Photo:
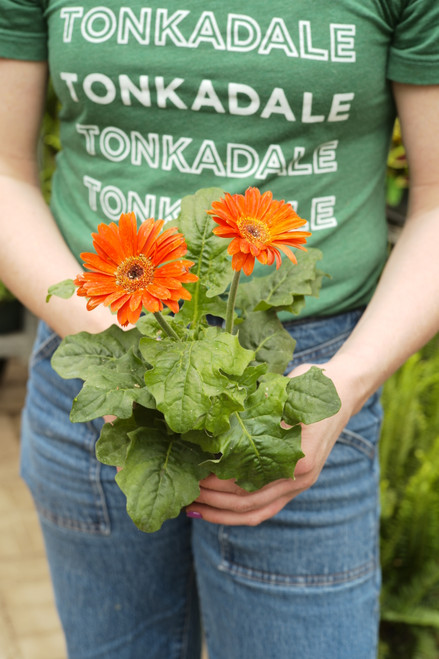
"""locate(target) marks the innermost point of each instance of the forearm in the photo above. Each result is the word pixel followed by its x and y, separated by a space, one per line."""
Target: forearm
pixel 404 312
pixel 33 256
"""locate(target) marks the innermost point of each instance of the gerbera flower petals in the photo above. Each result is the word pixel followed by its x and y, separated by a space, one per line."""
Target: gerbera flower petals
pixel 234 246
pixel 107 240
pixel 143 234
pixel 244 262
pixel 183 294
pixel 133 268
pixel 96 263
pixel 150 242
pixel 136 301
pixel 173 305
pixel 158 291
pixel 128 233
pixel 151 303
pixel 119 302
pixel 126 315
pixel 94 302
pixel 259 226
pixel 286 250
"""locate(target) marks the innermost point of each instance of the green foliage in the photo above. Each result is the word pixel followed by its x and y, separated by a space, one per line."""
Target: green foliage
pixel 410 509
pixel 161 474
pixel 311 398
pixel 188 375
pixel 64 289
pixel 49 142
pixel 397 168
pixel 192 398
pixel 283 289
pixel 5 294
pixel 112 370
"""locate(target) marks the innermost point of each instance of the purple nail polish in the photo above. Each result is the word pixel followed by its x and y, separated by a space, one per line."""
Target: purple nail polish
pixel 194 515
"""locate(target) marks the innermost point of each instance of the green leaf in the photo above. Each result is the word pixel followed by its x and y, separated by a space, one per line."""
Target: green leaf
pixel 256 449
pixel 217 418
pixel 64 289
pixel 311 398
pixel 79 355
pixel 208 443
pixel 316 283
pixel 263 332
pixel 113 443
pixel 111 392
pixel 186 375
pixel 148 325
pixel 213 265
pixel 201 305
pixel 248 380
pixel 113 370
pixel 282 289
pixel 161 475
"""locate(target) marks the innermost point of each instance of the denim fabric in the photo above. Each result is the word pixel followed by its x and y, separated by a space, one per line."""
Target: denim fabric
pixel 304 584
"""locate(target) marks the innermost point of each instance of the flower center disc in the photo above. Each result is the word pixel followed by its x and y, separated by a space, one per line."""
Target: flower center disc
pixel 135 272
pixel 253 230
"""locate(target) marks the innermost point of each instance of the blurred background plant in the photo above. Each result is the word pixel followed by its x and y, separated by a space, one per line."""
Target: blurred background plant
pixel 5 294
pixel 410 509
pixel 397 169
pixel 11 315
pixel 409 458
pixel 49 144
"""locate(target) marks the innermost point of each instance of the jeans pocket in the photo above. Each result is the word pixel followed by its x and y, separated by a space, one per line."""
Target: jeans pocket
pixel 58 457
pixel 362 432
pixel 327 536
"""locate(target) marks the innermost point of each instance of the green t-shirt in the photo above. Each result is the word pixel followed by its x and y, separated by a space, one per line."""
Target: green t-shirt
pixel 294 97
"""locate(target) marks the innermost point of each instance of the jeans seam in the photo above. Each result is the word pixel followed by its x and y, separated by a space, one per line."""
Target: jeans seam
pixel 184 635
pixel 101 525
pixel 44 349
pixel 70 524
pixel 356 441
pixel 314 580
pixel 223 542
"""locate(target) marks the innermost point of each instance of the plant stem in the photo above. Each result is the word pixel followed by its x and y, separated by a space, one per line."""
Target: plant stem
pixel 165 326
pixel 231 301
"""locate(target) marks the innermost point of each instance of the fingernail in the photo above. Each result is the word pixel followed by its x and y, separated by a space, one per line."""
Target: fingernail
pixel 194 515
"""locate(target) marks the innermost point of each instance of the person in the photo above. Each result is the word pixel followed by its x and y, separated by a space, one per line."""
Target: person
pixel 157 102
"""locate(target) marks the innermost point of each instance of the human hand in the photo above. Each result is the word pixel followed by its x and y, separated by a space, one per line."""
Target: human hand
pixel 224 502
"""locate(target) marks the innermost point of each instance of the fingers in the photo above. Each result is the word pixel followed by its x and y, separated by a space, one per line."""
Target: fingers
pixel 109 418
pixel 229 496
pixel 224 502
pixel 235 518
pixel 212 482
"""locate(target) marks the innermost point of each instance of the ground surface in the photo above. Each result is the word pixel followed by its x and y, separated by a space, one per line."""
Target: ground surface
pixel 29 625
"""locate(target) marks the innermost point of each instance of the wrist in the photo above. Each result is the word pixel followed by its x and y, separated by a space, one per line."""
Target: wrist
pixel 353 378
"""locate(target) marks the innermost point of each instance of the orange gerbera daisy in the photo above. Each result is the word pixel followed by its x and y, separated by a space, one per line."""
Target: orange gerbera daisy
pixel 260 226
pixel 135 268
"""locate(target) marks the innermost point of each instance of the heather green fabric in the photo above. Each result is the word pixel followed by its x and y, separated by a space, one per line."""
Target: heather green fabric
pixel 289 96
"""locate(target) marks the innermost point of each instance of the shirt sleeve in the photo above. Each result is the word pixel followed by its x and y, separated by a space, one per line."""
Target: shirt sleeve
pixel 23 30
pixel 414 54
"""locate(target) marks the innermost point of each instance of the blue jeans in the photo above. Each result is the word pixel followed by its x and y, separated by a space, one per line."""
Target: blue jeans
pixel 303 584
